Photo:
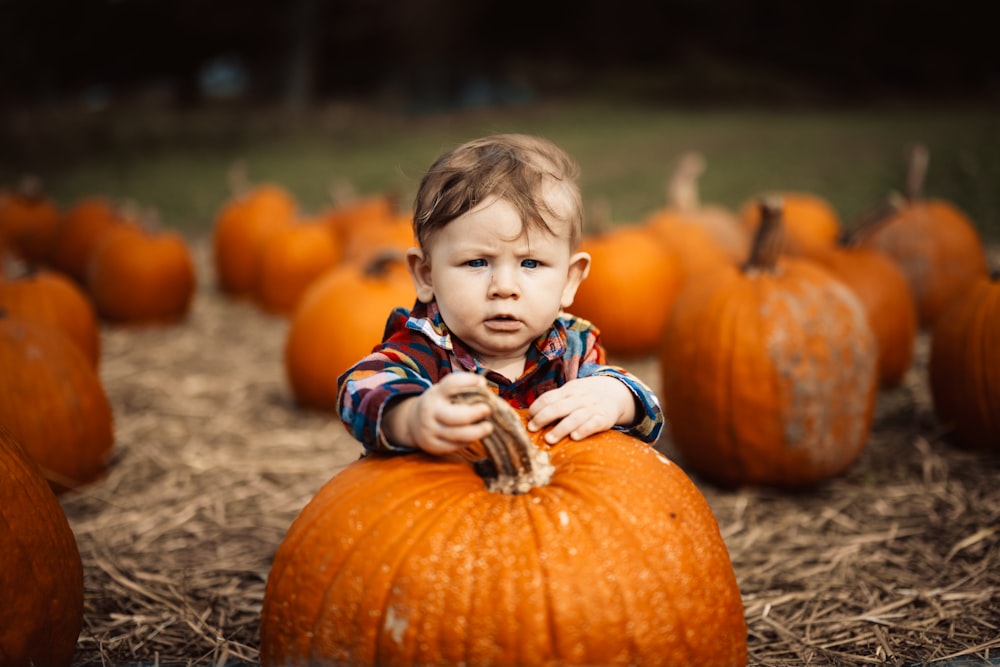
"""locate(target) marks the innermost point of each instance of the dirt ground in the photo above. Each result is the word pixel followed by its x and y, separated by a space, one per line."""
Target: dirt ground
pixel 896 562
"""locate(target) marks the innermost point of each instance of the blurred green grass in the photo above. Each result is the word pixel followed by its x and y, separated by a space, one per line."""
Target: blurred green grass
pixel 177 163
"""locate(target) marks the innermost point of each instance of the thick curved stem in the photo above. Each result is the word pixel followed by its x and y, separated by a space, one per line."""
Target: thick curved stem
pixel 769 238
pixel 517 464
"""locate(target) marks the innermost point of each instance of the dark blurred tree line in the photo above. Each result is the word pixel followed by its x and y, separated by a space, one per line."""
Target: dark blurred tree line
pixel 449 51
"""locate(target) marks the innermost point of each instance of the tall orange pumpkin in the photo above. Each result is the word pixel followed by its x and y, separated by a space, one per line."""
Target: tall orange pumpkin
pixel 633 281
pixel 242 227
pixel 596 552
pixel 41 573
pixel 54 403
pixel 29 220
pixel 933 242
pixel 769 373
pixel 141 276
pixel 964 367
pixel 51 297
pixel 338 320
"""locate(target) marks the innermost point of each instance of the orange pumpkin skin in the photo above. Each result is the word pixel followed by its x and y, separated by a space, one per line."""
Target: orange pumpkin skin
pixel 410 560
pixel 241 229
pixel 80 232
pixel 769 377
pixel 51 297
pixel 811 223
pixel 337 322
pixel 141 277
pixel 882 288
pixel 634 279
pixel 41 573
pixel 964 367
pixel 29 221
pixel 292 259
pixel 52 400
pixel 938 249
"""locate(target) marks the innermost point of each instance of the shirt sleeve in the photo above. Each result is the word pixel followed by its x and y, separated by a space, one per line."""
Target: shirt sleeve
pixel 649 415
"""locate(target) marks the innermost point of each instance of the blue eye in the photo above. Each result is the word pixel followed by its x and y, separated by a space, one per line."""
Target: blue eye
pixel 476 263
pixel 530 263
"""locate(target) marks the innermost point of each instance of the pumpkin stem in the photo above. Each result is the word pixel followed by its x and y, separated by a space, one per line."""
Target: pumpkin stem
pixel 768 240
pixel 682 189
pixel 871 219
pixel 517 464
pixel 916 172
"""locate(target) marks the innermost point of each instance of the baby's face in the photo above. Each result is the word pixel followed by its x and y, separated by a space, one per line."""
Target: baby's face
pixel 498 288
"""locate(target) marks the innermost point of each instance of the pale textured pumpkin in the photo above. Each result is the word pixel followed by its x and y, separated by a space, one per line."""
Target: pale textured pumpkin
pixel 612 557
pixel 769 373
pixel 52 400
pixel 41 574
pixel 964 368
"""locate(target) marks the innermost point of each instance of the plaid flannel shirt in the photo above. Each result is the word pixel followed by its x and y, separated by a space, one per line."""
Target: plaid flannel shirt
pixel 417 351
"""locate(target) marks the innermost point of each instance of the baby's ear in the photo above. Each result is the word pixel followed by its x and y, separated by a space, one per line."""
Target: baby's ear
pixel 579 267
pixel 419 266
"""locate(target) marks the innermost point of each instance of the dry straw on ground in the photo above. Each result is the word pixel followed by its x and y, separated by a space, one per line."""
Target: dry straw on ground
pixel 897 562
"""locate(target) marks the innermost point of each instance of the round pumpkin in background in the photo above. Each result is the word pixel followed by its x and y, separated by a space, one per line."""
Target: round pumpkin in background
pixel 140 275
pixel 41 573
pixel 809 221
pixel 52 400
pixel 935 244
pixel 338 321
pixel 964 367
pixel 769 372
pixel 292 259
pixel 633 281
pixel 592 552
pixel 242 227
pixel 79 232
pixel 29 220
pixel 51 297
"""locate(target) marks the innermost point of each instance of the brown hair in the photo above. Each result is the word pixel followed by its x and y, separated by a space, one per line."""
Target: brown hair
pixel 524 170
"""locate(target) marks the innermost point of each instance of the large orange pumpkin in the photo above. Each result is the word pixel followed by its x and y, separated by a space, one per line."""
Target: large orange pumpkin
pixel 29 220
pixel 52 400
pixel 142 276
pixel 933 242
pixel 964 368
pixel 596 552
pixel 53 298
pixel 634 279
pixel 242 227
pixel 41 573
pixel 338 320
pixel 769 373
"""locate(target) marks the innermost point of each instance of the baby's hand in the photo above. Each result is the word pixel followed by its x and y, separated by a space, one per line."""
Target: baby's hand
pixel 435 424
pixel 582 407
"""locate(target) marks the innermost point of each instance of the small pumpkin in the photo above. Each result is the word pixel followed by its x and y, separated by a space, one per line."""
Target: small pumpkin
pixel 242 227
pixel 51 297
pixel 52 400
pixel 596 552
pixel 338 320
pixel 633 281
pixel 142 275
pixel 41 573
pixel 292 259
pixel 80 231
pixel 769 372
pixel 29 220
pixel 810 222
pixel 964 366
pixel 935 243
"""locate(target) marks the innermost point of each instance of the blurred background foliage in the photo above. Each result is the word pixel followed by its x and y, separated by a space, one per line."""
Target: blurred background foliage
pixel 154 99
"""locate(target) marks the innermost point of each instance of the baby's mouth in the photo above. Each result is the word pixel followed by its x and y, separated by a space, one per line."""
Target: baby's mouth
pixel 503 323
